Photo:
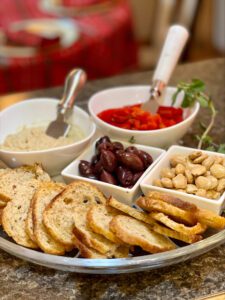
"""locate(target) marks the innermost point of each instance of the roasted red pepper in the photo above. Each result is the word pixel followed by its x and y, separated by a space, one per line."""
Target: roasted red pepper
pixel 134 118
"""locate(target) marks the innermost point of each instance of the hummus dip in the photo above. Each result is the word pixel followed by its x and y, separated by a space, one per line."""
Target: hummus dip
pixel 35 138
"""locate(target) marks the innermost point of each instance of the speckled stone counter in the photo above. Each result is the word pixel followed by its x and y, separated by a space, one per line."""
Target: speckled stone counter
pixel 195 278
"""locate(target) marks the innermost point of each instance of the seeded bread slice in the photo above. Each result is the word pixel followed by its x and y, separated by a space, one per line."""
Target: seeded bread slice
pixel 93 240
pixel 15 213
pixel 137 233
pixel 58 216
pixel 98 219
pixel 43 196
pixel 11 180
pixel 87 252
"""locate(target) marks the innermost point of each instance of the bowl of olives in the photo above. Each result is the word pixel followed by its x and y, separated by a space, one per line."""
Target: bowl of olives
pixel 116 167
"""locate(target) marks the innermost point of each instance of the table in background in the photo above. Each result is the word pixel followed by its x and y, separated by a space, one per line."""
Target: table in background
pixel 195 278
pixel 105 47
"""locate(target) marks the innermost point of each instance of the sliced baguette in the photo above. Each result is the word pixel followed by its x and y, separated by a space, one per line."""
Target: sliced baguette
pixel 98 219
pixel 29 223
pixel 180 215
pixel 139 215
pixel 11 180
pixel 87 252
pixel 43 196
pixel 137 233
pixel 15 213
pixel 187 238
pixel 93 240
pixel 58 216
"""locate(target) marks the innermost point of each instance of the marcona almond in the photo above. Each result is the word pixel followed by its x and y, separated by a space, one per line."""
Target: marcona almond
pixel 180 181
pixel 179 169
pixel 167 172
pixel 198 170
pixel 221 185
pixel 191 189
pixel 218 171
pixel 208 162
pixel 203 183
pixel 157 182
pixel 167 183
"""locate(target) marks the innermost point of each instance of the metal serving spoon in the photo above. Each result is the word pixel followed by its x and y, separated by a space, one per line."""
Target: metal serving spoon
pixel 73 84
pixel 175 41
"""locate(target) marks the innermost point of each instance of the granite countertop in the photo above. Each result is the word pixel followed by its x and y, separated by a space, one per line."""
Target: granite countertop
pixel 195 278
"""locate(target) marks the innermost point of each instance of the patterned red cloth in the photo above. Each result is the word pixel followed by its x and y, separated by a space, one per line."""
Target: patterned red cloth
pixel 106 47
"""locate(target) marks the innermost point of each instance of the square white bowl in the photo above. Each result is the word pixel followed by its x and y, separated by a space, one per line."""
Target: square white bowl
pixel 126 195
pixel 147 183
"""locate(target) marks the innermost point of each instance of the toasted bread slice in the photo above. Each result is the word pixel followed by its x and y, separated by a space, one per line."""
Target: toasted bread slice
pixel 196 229
pixel 84 233
pixel 29 223
pixel 1 211
pixel 180 215
pixel 210 219
pixel 137 233
pixel 43 196
pixel 173 201
pixel 2 204
pixel 98 219
pixel 187 238
pixel 15 213
pixel 11 181
pixel 87 252
pixel 58 216
pixel 139 215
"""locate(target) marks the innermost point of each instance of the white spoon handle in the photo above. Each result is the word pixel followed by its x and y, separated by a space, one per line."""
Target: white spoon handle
pixel 175 41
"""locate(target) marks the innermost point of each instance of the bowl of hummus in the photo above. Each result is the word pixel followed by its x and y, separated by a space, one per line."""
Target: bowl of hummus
pixel 23 139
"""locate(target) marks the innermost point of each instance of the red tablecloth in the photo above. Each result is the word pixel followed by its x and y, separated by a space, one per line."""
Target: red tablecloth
pixel 107 49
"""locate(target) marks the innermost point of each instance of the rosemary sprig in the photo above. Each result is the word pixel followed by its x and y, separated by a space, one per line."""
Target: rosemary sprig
pixel 195 91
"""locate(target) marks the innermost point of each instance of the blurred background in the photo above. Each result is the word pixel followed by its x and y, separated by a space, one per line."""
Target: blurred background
pixel 42 40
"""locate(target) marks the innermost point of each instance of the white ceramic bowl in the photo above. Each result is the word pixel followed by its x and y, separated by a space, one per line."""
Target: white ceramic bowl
pixel 128 95
pixel 126 195
pixel 42 110
pixel 147 183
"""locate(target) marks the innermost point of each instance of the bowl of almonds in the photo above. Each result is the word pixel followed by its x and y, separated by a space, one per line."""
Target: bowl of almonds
pixel 196 176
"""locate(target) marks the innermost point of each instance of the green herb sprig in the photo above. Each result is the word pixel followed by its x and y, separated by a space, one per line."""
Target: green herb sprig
pixel 195 91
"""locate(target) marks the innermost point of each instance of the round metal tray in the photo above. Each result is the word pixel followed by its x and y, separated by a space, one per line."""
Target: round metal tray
pixel 112 266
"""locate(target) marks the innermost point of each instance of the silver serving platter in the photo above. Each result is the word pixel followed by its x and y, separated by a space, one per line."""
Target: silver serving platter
pixel 112 266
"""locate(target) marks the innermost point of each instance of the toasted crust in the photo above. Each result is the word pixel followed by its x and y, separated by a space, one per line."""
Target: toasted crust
pixel 29 224
pixel 2 204
pixel 189 239
pixel 85 251
pixel 15 214
pixel 172 200
pixel 210 219
pixel 58 216
pixel 98 219
pixel 86 235
pixel 1 211
pixel 161 206
pixel 139 215
pixel 43 196
pixel 161 217
pixel 135 232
